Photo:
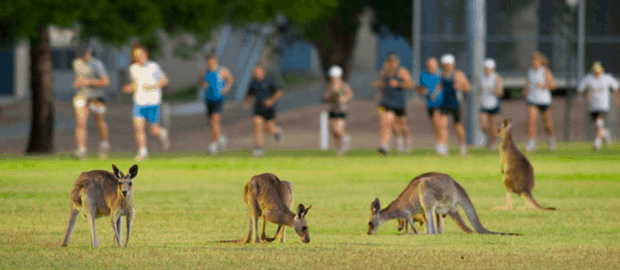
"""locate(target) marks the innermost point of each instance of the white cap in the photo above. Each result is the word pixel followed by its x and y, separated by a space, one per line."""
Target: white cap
pixel 447 59
pixel 489 63
pixel 335 71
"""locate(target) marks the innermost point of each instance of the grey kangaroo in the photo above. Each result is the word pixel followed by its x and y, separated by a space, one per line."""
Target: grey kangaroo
pixel 430 193
pixel 270 198
pixel 102 193
pixel 517 170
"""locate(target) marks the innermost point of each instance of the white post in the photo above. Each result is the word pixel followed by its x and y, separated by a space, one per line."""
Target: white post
pixel 323 131
pixel 476 30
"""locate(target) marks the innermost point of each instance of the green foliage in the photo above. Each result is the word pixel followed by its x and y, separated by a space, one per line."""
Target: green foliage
pixel 396 15
pixel 186 202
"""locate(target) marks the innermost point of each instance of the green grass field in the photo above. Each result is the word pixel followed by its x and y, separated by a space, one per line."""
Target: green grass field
pixel 186 202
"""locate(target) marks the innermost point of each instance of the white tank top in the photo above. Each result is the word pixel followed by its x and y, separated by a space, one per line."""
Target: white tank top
pixel 489 100
pixel 537 95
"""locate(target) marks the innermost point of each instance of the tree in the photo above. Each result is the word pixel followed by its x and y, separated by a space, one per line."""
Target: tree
pixel 112 21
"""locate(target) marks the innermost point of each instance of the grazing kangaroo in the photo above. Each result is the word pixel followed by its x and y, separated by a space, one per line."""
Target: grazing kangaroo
pixel 517 171
pixel 270 198
pixel 434 194
pixel 102 193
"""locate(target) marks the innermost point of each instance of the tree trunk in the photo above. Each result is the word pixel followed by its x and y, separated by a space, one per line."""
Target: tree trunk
pixel 338 48
pixel 42 124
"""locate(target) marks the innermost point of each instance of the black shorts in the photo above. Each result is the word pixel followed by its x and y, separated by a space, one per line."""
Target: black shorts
pixel 541 108
pixel 337 115
pixel 455 112
pixel 397 111
pixel 596 114
pixel 214 107
pixel 493 111
pixel 266 113
pixel 430 111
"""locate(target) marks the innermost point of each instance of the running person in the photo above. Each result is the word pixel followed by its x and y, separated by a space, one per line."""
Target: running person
pixel 537 91
pixel 91 78
pixel 393 81
pixel 452 80
pixel 596 88
pixel 492 91
pixel 219 80
pixel 266 93
pixel 337 93
pixel 430 87
pixel 147 79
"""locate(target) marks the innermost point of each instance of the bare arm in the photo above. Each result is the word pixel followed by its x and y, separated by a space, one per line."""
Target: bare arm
pixel 247 101
pixel 461 82
pixel 499 87
pixel 617 94
pixel 406 77
pixel 348 93
pixel 326 92
pixel 379 84
pixel 277 95
pixel 228 77
pixel 526 87
pixel 128 88
pixel 550 80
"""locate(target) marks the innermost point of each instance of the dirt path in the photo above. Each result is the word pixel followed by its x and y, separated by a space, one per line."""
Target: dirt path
pixel 301 126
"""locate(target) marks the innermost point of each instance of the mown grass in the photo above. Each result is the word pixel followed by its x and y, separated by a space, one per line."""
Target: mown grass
pixel 185 202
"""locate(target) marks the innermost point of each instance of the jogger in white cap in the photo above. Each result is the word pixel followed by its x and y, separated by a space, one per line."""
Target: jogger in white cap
pixel 492 91
pixel 337 93
pixel 596 87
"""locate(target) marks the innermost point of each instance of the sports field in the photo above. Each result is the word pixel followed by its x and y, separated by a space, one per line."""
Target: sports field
pixel 186 202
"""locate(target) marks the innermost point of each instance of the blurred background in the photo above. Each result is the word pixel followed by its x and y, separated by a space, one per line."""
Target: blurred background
pixel 297 41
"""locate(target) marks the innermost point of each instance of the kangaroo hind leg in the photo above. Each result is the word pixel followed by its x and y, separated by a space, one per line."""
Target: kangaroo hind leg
pixel 73 216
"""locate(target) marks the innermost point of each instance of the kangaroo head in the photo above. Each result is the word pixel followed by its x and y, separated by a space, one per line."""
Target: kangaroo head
pixel 505 127
pixel 300 224
pixel 375 218
pixel 125 182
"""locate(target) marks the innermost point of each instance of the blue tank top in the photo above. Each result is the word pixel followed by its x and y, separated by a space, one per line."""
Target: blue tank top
pixel 449 99
pixel 216 84
pixel 393 97
pixel 430 82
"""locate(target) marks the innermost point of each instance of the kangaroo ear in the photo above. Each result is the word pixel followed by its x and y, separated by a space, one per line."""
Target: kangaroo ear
pixel 300 210
pixel 117 173
pixel 306 211
pixel 375 206
pixel 133 171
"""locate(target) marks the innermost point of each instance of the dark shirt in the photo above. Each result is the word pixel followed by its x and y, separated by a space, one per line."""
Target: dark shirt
pixel 262 90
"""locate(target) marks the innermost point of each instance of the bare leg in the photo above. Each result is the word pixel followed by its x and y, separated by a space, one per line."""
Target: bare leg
pixel 442 124
pixel 532 114
pixel 138 124
pixel 333 127
pixel 81 117
pixel 215 127
pixel 73 216
pixel 493 128
pixel 271 127
pixel 102 126
pixel 258 131
pixel 387 119
pixel 460 132
pixel 548 121
pixel 435 125
pixel 484 125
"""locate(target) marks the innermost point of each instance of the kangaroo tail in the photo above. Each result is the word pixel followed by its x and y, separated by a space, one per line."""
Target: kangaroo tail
pixel 529 196
pixel 230 241
pixel 472 215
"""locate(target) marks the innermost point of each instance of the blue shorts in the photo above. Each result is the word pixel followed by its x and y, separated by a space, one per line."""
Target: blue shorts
pixel 148 112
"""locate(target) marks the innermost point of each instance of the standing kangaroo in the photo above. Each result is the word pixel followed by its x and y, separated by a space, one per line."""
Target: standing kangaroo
pixel 517 171
pixel 434 194
pixel 270 198
pixel 102 193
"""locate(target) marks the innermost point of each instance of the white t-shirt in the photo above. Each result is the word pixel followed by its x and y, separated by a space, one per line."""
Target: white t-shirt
pixel 149 74
pixel 538 95
pixel 489 100
pixel 599 90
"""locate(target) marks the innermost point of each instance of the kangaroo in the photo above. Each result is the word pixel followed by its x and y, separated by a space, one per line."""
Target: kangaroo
pixel 102 193
pixel 270 198
pixel 517 171
pixel 434 194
